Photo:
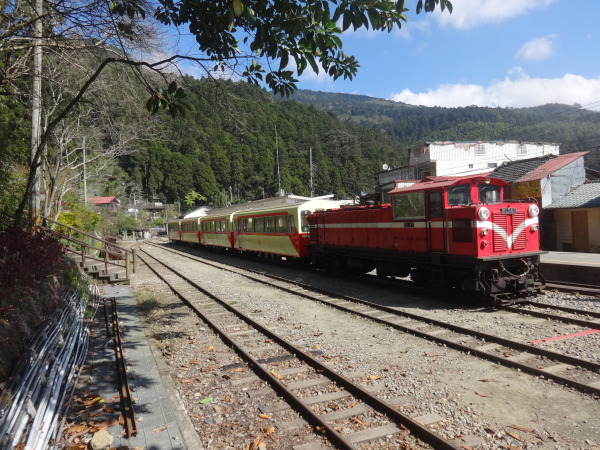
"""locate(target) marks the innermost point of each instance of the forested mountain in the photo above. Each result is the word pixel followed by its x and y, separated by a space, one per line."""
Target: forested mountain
pixel 229 142
pixel 238 142
pixel 574 127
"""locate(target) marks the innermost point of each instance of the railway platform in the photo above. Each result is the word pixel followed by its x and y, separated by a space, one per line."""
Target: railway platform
pixel 160 423
pixel 570 267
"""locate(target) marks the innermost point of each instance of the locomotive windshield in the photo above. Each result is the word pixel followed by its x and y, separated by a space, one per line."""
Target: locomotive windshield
pixel 488 193
pixel 460 194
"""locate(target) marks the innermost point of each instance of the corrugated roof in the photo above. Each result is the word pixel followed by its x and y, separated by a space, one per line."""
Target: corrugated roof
pixel 438 183
pixel 102 200
pixel 512 171
pixel 551 166
pixel 584 196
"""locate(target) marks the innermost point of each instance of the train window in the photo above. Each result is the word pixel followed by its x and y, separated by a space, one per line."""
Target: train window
pixel 280 223
pixel 488 193
pixel 259 224
pixel 460 194
pixel 462 230
pixel 247 225
pixel 303 220
pixel 270 224
pixel 435 204
pixel 409 206
pixel 291 225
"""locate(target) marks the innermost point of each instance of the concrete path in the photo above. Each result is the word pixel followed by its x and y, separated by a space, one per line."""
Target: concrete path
pixel 161 420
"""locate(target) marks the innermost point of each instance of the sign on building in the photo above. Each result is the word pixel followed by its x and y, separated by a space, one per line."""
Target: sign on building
pixel 526 189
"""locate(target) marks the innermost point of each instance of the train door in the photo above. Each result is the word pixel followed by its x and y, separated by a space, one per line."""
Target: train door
pixel 435 221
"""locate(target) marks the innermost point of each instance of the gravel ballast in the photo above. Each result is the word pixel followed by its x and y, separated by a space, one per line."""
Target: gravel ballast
pixel 475 403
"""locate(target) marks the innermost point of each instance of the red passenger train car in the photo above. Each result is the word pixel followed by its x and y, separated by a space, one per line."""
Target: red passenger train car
pixel 446 232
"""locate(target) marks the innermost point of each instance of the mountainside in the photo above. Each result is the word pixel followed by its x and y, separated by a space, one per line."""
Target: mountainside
pixel 575 128
pixel 238 141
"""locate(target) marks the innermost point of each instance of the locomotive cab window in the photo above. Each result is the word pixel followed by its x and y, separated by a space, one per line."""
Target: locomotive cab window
pixel 460 194
pixel 409 206
pixel 488 193
pixel 435 204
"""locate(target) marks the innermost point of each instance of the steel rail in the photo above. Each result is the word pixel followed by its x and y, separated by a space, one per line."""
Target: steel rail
pixel 590 365
pixel 545 315
pixel 583 312
pixel 415 427
pixel 124 390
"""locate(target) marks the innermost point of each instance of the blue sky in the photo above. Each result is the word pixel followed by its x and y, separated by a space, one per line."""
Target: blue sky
pixel 514 53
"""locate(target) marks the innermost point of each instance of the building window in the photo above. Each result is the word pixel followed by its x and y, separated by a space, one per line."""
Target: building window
pixel 470 166
pixel 522 150
pixel 479 149
pixel 492 165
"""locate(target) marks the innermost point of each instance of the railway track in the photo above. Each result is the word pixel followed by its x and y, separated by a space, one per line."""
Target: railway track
pixel 222 316
pixel 583 375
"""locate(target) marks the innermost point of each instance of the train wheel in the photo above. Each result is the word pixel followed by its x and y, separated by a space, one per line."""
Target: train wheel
pixel 419 276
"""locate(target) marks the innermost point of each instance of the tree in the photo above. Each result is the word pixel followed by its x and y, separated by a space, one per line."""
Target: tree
pixel 192 197
pixel 301 33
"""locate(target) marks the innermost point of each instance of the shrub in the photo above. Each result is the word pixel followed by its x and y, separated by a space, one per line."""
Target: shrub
pixel 32 276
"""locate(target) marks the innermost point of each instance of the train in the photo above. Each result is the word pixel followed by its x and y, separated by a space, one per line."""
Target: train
pixel 449 233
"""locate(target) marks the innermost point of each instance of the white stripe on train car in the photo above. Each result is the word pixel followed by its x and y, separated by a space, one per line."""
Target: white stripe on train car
pixel 502 232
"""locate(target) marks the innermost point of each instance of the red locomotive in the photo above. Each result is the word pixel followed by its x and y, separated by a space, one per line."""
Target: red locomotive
pixel 444 232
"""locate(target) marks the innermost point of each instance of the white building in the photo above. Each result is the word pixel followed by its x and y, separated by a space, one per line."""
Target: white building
pixel 462 158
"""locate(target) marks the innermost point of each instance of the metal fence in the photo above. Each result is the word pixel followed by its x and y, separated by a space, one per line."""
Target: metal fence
pixel 31 402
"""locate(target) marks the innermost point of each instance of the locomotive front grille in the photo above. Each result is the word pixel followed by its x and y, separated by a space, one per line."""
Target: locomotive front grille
pixel 520 240
pixel 514 231
pixel 501 221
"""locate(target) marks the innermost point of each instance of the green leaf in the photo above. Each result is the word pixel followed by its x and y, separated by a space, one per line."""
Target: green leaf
pixel 336 40
pixel 172 88
pixel 373 18
pixel 238 7
pixel 347 20
pixel 206 400
pixel 311 61
pixel 284 60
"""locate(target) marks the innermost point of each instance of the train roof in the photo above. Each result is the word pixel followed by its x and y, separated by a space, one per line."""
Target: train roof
pixel 430 183
pixel 310 205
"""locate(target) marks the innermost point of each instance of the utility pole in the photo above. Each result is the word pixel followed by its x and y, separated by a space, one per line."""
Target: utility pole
pixel 36 116
pixel 85 200
pixel 277 153
pixel 311 171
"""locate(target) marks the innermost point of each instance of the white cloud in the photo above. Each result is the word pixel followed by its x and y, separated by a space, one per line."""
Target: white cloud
pixel 516 90
pixel 471 13
pixel 537 49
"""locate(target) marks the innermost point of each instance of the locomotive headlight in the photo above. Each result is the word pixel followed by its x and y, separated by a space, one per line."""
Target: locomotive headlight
pixel 534 210
pixel 484 232
pixel 484 213
pixel 534 228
